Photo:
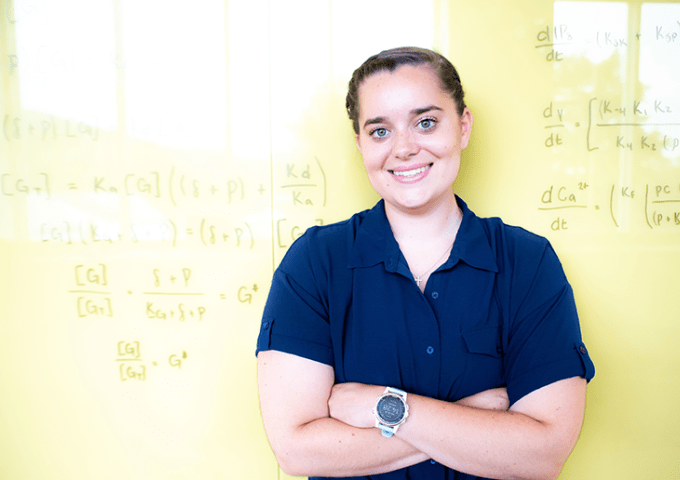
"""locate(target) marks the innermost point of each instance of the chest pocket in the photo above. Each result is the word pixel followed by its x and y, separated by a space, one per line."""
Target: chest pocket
pixel 483 360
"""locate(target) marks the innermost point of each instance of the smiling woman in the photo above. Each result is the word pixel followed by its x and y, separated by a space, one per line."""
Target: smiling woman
pixel 411 138
pixel 466 327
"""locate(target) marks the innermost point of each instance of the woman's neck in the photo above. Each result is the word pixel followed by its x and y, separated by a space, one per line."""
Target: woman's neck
pixel 427 226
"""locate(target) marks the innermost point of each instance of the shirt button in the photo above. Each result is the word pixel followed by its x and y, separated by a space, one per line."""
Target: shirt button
pixel 582 349
pixel 265 325
pixel 435 295
pixel 432 462
pixel 430 350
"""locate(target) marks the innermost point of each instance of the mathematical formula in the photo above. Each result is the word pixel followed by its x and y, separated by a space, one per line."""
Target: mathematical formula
pixel 131 364
pixel 169 297
pixel 299 186
pixel 657 205
pixel 604 126
pixel 555 40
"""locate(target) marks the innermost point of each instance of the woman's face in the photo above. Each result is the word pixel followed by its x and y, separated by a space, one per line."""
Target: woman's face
pixel 410 137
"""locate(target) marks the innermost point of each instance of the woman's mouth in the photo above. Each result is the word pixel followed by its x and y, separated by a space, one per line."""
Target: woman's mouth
pixel 411 174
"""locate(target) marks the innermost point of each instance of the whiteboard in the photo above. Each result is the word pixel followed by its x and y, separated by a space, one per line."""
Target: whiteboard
pixel 157 160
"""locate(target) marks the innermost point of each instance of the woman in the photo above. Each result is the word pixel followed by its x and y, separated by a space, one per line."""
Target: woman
pixel 417 317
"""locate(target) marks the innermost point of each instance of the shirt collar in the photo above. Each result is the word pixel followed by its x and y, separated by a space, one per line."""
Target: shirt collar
pixel 374 242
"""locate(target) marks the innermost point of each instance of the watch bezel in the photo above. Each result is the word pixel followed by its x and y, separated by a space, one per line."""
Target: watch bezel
pixel 384 421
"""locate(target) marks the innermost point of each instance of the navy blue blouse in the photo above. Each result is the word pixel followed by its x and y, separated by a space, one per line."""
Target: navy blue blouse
pixel 498 312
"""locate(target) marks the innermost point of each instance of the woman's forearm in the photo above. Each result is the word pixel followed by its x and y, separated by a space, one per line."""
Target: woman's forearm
pixel 480 442
pixel 327 447
pixel 294 395
pixel 532 443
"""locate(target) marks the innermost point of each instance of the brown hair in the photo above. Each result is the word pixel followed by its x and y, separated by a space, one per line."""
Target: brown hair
pixel 391 59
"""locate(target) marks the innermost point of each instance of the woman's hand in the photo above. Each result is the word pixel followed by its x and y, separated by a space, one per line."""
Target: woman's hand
pixel 352 403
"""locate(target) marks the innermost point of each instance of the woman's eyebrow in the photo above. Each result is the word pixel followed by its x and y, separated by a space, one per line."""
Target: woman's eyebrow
pixel 371 121
pixel 419 111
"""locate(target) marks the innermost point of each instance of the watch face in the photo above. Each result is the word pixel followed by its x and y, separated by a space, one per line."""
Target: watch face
pixel 391 409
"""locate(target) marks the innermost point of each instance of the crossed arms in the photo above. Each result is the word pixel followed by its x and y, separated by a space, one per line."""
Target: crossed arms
pixel 316 428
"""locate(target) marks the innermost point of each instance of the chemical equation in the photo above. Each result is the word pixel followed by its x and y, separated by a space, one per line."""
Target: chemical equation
pixel 553 41
pixel 657 205
pixel 208 232
pixel 605 115
pixel 303 185
pixel 152 185
pixel 169 297
pixel 131 365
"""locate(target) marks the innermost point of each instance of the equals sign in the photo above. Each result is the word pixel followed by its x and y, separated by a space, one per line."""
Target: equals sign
pixel 190 231
pixel 72 186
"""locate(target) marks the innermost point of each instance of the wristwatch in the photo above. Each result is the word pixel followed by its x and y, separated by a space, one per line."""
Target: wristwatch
pixel 390 411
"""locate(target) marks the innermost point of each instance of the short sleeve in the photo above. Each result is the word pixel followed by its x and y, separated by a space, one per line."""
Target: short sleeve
pixel 544 341
pixel 295 318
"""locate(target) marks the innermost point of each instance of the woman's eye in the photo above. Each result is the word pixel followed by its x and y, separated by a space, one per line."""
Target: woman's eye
pixel 379 132
pixel 427 123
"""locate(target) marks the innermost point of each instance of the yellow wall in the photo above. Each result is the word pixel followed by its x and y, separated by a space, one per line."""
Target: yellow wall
pixel 157 158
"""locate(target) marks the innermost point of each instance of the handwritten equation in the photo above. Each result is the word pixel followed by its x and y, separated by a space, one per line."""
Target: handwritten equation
pixel 300 187
pixel 657 206
pixel 169 297
pixel 298 184
pixel 554 40
pixel 131 364
pixel 206 231
pixel 604 116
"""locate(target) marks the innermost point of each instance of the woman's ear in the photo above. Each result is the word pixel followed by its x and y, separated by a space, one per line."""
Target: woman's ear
pixel 465 127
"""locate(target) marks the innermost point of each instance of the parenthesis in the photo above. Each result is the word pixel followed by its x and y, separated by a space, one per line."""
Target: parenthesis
pixel 600 110
pixel 202 236
pixel 323 174
pixel 174 233
pixel 172 176
pixel 611 205
pixel 240 179
pixel 647 203
pixel 252 239
pixel 590 124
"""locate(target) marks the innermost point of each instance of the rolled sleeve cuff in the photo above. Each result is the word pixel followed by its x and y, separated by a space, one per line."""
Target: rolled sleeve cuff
pixel 269 340
pixel 577 365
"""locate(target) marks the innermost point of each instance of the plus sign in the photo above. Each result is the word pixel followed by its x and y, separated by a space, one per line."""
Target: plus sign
pixel 213 189
pixel 261 189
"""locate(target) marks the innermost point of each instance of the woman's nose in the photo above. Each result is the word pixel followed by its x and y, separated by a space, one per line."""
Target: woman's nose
pixel 405 145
